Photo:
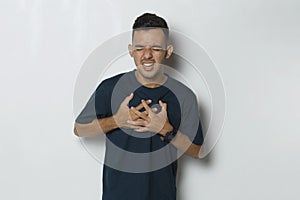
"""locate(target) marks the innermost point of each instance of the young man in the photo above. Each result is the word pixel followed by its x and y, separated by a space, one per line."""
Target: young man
pixel 147 117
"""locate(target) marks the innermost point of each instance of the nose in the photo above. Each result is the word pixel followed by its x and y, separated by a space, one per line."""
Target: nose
pixel 147 53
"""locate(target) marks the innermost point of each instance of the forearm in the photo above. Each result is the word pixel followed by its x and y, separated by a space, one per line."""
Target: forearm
pixel 96 127
pixel 184 144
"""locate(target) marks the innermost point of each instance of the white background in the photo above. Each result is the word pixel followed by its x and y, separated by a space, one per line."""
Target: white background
pixel 255 45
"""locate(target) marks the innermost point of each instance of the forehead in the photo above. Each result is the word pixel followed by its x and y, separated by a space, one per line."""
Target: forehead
pixel 149 37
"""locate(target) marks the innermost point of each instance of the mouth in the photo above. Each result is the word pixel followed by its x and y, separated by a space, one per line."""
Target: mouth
pixel 148 66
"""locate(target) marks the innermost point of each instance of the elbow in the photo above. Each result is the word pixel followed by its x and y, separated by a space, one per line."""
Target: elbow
pixel 197 153
pixel 200 152
pixel 193 154
pixel 75 131
pixel 196 156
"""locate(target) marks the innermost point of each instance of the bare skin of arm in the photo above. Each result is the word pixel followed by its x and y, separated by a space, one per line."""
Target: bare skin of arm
pixel 104 125
pixel 184 144
pixel 96 127
pixel 159 123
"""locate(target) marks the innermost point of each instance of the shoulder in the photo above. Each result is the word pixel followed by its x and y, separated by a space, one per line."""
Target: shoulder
pixel 109 83
pixel 111 80
pixel 181 89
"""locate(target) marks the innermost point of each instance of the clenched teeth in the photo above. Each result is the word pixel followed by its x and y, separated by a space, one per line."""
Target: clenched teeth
pixel 147 64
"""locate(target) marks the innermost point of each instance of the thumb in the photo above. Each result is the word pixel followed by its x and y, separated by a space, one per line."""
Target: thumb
pixel 128 98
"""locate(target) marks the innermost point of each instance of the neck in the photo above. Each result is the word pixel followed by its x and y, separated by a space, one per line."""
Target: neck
pixel 151 83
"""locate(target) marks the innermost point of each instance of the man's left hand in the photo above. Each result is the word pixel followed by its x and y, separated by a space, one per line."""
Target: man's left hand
pixel 152 121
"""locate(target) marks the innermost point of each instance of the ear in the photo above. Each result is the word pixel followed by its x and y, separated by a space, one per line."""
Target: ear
pixel 130 50
pixel 169 52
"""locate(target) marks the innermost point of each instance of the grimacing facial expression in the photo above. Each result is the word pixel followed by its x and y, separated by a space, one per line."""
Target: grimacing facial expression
pixel 148 50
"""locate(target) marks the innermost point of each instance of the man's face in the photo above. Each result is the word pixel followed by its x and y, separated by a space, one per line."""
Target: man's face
pixel 148 50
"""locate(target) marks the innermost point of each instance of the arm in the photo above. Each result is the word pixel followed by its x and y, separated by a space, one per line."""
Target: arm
pixel 160 124
pixel 104 125
pixel 96 127
pixel 182 142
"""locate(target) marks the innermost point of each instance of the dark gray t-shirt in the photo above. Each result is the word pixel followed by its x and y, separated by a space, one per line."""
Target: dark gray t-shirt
pixel 140 166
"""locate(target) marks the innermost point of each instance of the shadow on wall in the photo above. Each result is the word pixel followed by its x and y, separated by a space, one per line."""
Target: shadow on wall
pixel 206 163
pixel 175 62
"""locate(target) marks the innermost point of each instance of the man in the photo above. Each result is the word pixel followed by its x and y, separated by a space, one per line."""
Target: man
pixel 147 117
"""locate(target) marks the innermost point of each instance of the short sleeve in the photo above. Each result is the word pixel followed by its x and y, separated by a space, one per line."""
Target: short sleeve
pixel 98 106
pixel 190 121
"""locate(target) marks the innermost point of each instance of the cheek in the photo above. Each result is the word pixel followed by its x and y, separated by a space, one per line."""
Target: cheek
pixel 159 58
pixel 137 61
pixel 136 58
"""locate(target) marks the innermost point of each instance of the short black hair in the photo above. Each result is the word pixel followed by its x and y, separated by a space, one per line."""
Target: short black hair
pixel 150 20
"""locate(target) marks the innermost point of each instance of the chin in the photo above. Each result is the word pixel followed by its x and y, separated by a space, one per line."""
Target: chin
pixel 150 75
